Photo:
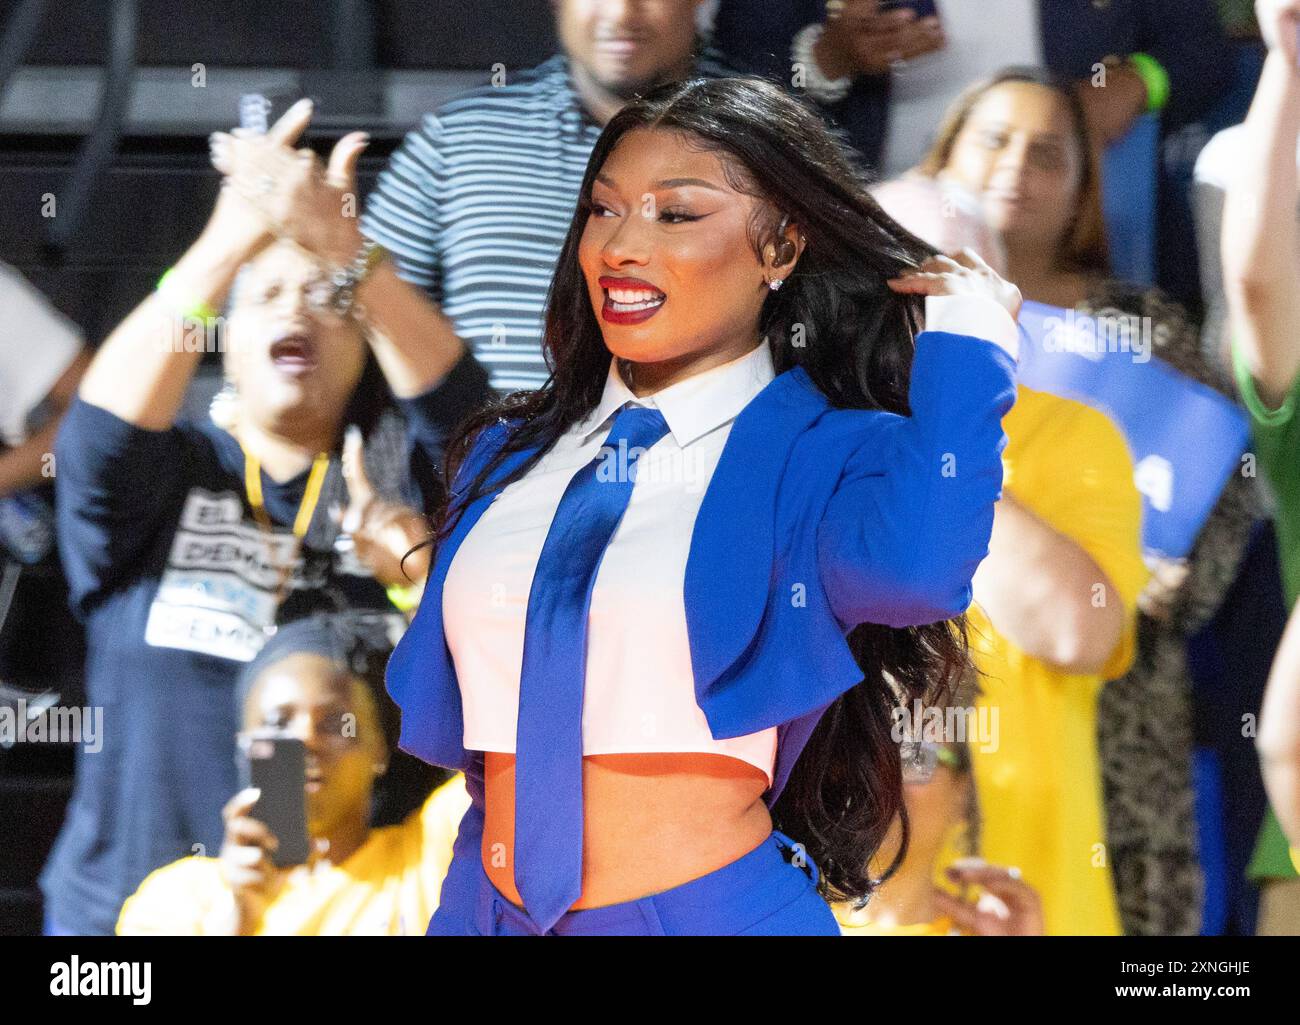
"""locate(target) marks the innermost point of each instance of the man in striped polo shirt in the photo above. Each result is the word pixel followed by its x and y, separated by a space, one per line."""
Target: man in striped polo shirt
pixel 475 204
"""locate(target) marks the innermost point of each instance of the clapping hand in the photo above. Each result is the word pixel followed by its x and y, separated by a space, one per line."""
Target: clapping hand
pixel 294 195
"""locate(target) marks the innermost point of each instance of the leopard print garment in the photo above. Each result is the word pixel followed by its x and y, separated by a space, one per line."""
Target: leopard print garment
pixel 1144 718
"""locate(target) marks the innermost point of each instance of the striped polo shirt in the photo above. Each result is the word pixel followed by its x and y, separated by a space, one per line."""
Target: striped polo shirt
pixel 476 202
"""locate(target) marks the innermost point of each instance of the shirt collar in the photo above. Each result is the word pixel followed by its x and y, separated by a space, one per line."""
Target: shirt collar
pixel 692 407
pixel 559 72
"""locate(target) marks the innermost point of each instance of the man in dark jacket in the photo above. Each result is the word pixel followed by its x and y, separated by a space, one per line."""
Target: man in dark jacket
pixel 865 60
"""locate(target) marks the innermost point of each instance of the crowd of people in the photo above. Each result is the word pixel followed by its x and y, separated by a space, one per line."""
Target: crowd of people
pixel 784 246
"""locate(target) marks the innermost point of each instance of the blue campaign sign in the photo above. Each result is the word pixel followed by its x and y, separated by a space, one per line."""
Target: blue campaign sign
pixel 1185 437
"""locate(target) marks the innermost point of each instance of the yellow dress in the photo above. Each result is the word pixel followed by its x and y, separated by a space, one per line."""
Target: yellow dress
pixel 1040 790
pixel 941 926
pixel 388 887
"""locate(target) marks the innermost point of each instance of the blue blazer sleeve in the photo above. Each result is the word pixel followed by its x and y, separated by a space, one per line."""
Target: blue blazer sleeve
pixel 911 516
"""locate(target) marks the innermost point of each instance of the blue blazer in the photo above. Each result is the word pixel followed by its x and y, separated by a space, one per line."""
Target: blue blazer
pixel 816 519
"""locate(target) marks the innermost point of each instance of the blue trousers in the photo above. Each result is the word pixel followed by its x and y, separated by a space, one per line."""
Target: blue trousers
pixel 758 894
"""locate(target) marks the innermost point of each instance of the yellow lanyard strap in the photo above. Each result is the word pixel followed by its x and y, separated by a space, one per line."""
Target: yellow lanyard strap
pixel 310 494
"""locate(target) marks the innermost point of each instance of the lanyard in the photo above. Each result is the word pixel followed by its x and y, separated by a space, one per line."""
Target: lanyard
pixel 310 494
pixel 306 508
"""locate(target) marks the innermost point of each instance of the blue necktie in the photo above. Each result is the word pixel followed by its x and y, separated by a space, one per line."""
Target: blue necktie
pixel 548 751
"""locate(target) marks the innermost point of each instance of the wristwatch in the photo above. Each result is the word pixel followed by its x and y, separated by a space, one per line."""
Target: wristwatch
pixel 347 279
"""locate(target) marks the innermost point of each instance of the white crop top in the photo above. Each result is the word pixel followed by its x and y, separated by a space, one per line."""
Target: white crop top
pixel 640 690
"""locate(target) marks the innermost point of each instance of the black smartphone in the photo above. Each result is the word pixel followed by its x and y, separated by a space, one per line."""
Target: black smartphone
pixel 277 766
pixel 923 8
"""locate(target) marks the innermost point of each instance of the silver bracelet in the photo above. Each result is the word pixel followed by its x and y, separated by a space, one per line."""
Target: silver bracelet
pixel 347 279
pixel 815 83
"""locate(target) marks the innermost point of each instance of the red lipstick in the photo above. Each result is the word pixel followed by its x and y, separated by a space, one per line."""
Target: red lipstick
pixel 630 300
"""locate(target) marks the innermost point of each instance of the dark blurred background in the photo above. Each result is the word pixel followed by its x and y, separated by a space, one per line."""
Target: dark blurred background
pixel 374 65
pixel 106 105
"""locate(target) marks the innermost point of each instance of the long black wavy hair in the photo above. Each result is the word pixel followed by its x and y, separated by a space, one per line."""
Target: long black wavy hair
pixel 857 345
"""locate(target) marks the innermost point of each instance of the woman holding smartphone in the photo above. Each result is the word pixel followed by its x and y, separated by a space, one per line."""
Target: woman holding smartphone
pixel 670 585
pixel 318 684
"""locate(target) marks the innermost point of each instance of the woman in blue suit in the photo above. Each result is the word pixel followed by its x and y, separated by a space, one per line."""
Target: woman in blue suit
pixel 679 591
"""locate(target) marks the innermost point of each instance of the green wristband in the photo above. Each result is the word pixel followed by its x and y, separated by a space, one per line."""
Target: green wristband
pixel 405 599
pixel 1154 77
pixel 1258 409
pixel 185 304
